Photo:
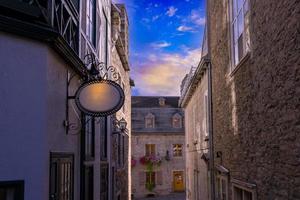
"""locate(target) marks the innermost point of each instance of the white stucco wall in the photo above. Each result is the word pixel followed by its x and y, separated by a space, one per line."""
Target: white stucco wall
pixel 32 111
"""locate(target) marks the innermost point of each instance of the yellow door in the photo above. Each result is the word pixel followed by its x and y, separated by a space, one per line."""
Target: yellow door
pixel 178 181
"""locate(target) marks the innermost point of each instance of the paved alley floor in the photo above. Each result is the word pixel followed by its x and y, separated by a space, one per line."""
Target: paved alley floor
pixel 174 196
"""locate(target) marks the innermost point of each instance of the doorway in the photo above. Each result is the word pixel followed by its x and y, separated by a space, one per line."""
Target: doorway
pixel 178 181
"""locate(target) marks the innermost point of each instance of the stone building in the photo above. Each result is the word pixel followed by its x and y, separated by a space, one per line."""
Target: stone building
pixel 121 142
pixel 194 101
pixel 49 150
pixel 255 62
pixel 157 133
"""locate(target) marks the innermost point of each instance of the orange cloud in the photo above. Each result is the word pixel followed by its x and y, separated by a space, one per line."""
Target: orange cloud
pixel 163 75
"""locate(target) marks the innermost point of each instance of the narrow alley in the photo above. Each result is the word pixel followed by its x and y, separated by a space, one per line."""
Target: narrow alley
pixel 173 196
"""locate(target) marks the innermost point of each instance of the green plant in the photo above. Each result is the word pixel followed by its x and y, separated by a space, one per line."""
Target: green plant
pixel 150 186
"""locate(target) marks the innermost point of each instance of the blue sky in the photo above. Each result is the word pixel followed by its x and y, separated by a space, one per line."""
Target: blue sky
pixel 165 41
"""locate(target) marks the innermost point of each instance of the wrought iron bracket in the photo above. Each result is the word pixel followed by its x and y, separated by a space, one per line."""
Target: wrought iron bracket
pixel 76 125
pixel 99 70
pixel 95 71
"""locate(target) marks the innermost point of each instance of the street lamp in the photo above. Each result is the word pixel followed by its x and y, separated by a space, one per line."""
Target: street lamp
pixel 122 124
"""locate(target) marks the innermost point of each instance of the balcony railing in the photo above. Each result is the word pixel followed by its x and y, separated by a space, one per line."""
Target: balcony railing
pixel 60 16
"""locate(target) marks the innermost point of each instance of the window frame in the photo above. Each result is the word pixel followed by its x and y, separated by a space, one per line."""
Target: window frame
pixel 152 150
pixel 179 117
pixel 103 138
pixel 176 155
pixel 206 115
pixel 59 160
pixel 151 117
pixel 89 138
pixel 91 21
pixel 245 30
pixel 17 185
pixel 151 175
pixel 221 178
pixel 104 181
pixel 244 187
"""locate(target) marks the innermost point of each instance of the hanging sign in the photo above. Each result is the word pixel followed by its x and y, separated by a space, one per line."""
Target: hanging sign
pixel 99 98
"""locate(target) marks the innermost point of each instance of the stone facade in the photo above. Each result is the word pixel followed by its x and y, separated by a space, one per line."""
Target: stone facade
pixel 119 59
pixel 194 100
pixel 256 106
pixel 163 136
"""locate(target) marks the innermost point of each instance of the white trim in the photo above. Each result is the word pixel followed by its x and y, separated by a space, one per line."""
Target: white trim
pixel 245 187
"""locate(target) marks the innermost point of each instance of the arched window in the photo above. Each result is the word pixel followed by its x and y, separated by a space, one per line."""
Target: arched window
pixel 150 120
pixel 177 121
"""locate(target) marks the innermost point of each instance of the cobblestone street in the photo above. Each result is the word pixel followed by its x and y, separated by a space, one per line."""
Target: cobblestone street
pixel 174 196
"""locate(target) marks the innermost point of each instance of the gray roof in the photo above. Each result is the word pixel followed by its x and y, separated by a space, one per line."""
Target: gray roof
pixel 152 101
pixel 142 106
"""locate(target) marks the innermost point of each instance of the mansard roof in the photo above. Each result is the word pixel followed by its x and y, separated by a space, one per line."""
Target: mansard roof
pixel 153 101
pixel 163 114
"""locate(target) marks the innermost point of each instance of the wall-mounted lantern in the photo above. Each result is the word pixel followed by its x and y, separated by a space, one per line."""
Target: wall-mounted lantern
pixel 119 126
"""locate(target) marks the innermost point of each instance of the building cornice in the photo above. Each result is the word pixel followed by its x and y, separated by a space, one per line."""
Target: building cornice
pixel 192 85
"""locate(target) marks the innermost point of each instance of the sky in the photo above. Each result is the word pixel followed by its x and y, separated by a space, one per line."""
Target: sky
pixel 165 41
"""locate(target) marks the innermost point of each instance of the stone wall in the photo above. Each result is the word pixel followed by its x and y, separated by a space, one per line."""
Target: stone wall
pixel 123 177
pixel 256 118
pixel 196 136
pixel 163 142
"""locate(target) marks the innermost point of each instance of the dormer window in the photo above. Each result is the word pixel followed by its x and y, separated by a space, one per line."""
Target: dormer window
pixel 177 121
pixel 162 101
pixel 149 121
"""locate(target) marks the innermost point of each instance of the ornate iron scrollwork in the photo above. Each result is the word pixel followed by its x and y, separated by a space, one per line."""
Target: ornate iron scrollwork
pixel 104 72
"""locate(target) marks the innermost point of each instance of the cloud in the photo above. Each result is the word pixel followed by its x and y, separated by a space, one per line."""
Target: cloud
pixel 171 11
pixel 184 28
pixel 159 45
pixel 155 17
pixel 196 18
pixel 162 74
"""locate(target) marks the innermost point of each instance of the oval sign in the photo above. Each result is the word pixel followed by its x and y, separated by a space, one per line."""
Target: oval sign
pixel 99 98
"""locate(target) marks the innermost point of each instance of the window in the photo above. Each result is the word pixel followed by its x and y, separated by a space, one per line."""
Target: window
pixel 177 150
pixel 105 38
pixel 89 183
pixel 242 194
pixel 240 30
pixel 61 176
pixel 113 180
pixel 150 179
pixel 12 190
pixel 162 101
pixel 123 107
pixel 177 121
pixel 221 188
pixel 205 121
pixel 89 138
pixel 150 149
pixel 103 138
pixel 121 150
pixel 104 182
pixel 150 121
pixel 91 21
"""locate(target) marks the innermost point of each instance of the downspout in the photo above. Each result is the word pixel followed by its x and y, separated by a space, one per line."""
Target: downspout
pixel 210 107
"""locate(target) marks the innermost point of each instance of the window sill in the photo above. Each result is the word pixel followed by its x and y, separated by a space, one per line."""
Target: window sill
pixel 238 66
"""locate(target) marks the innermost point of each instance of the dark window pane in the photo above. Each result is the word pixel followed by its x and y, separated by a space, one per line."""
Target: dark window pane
pixel 89 183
